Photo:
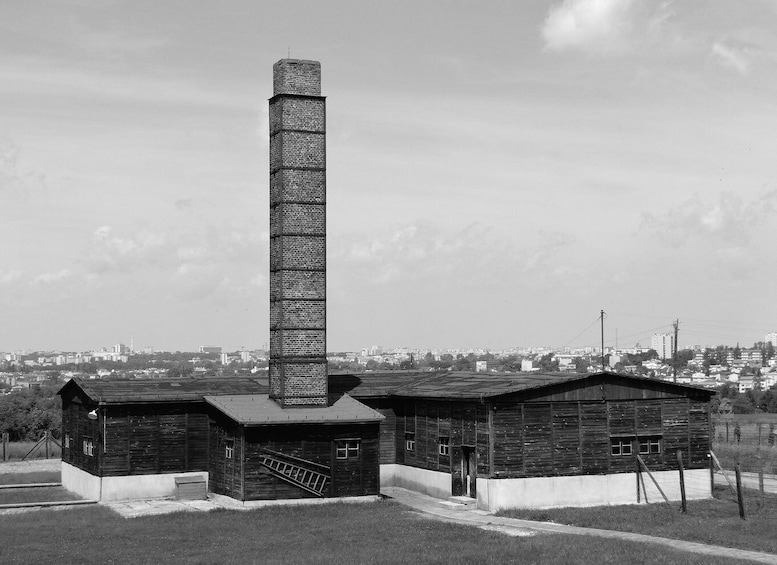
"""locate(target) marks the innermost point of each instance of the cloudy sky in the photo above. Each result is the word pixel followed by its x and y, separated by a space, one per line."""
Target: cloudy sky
pixel 498 172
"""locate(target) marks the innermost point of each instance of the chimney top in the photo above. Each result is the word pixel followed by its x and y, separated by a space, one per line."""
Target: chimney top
pixel 297 76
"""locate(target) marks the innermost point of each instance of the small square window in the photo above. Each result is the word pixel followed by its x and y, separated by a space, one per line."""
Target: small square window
pixel 445 445
pixel 229 448
pixel 620 446
pixel 347 448
pixel 648 445
pixel 410 441
pixel 88 446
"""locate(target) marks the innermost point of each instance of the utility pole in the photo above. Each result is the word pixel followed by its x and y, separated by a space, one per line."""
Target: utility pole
pixel 676 325
pixel 602 317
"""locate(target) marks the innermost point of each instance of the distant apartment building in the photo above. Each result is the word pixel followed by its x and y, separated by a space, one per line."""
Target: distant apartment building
pixel 747 357
pixel 771 338
pixel 663 344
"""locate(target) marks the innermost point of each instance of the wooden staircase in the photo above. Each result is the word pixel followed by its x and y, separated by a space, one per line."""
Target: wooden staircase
pixel 291 470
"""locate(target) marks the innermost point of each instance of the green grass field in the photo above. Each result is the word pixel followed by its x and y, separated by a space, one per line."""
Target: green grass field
pixel 377 533
pixel 714 521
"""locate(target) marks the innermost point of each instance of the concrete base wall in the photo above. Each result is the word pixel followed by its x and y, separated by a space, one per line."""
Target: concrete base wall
pixel 432 483
pixel 129 487
pixel 554 492
pixel 228 502
pixel 588 490
pixel 80 482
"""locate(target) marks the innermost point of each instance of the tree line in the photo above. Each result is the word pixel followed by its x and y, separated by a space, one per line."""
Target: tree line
pixel 27 414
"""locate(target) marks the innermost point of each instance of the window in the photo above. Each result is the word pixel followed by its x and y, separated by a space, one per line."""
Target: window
pixel 621 445
pixel 347 448
pixel 229 448
pixel 445 445
pixel 66 441
pixel 648 445
pixel 88 446
pixel 410 441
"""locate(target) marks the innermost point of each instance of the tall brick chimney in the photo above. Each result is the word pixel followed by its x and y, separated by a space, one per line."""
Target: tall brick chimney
pixel 298 370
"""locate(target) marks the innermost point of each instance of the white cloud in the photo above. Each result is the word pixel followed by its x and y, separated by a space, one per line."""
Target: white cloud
pixel 731 57
pixel 588 24
pixel 7 277
pixel 724 222
pixel 51 278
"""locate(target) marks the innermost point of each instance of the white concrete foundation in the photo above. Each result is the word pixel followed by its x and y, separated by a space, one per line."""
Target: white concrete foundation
pixel 432 483
pixel 128 487
pixel 554 492
pixel 589 490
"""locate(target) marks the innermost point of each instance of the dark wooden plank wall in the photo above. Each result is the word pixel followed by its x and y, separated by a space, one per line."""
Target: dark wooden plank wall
pixel 225 475
pixel 568 438
pixel 388 431
pixel 464 423
pixel 151 439
pixel 357 477
pixel 76 423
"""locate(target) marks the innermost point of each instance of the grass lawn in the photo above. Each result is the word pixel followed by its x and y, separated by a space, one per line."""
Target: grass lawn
pixel 377 533
pixel 40 494
pixel 707 521
pixel 30 477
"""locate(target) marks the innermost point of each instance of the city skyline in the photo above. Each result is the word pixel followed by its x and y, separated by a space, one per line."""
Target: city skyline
pixel 495 178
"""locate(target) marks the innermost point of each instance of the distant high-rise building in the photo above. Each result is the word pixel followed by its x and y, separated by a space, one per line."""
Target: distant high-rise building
pixel 771 338
pixel 663 344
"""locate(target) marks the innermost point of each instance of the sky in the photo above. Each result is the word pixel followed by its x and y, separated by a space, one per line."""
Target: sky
pixel 497 173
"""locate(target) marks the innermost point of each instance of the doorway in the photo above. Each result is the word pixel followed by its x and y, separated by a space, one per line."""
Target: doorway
pixel 469 471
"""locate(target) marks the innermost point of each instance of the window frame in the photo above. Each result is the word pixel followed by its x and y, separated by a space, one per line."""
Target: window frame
pixel 410 441
pixel 87 446
pixel 444 446
pixel 229 448
pixel 348 448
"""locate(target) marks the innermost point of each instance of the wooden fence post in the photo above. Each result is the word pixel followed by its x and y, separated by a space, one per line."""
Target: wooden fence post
pixel 740 500
pixel 633 446
pixel 5 445
pixel 759 460
pixel 682 480
pixel 47 444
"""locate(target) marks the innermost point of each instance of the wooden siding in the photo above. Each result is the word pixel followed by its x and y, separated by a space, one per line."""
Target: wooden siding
pixel 464 423
pixel 569 438
pixel 78 426
pixel 245 478
pixel 225 475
